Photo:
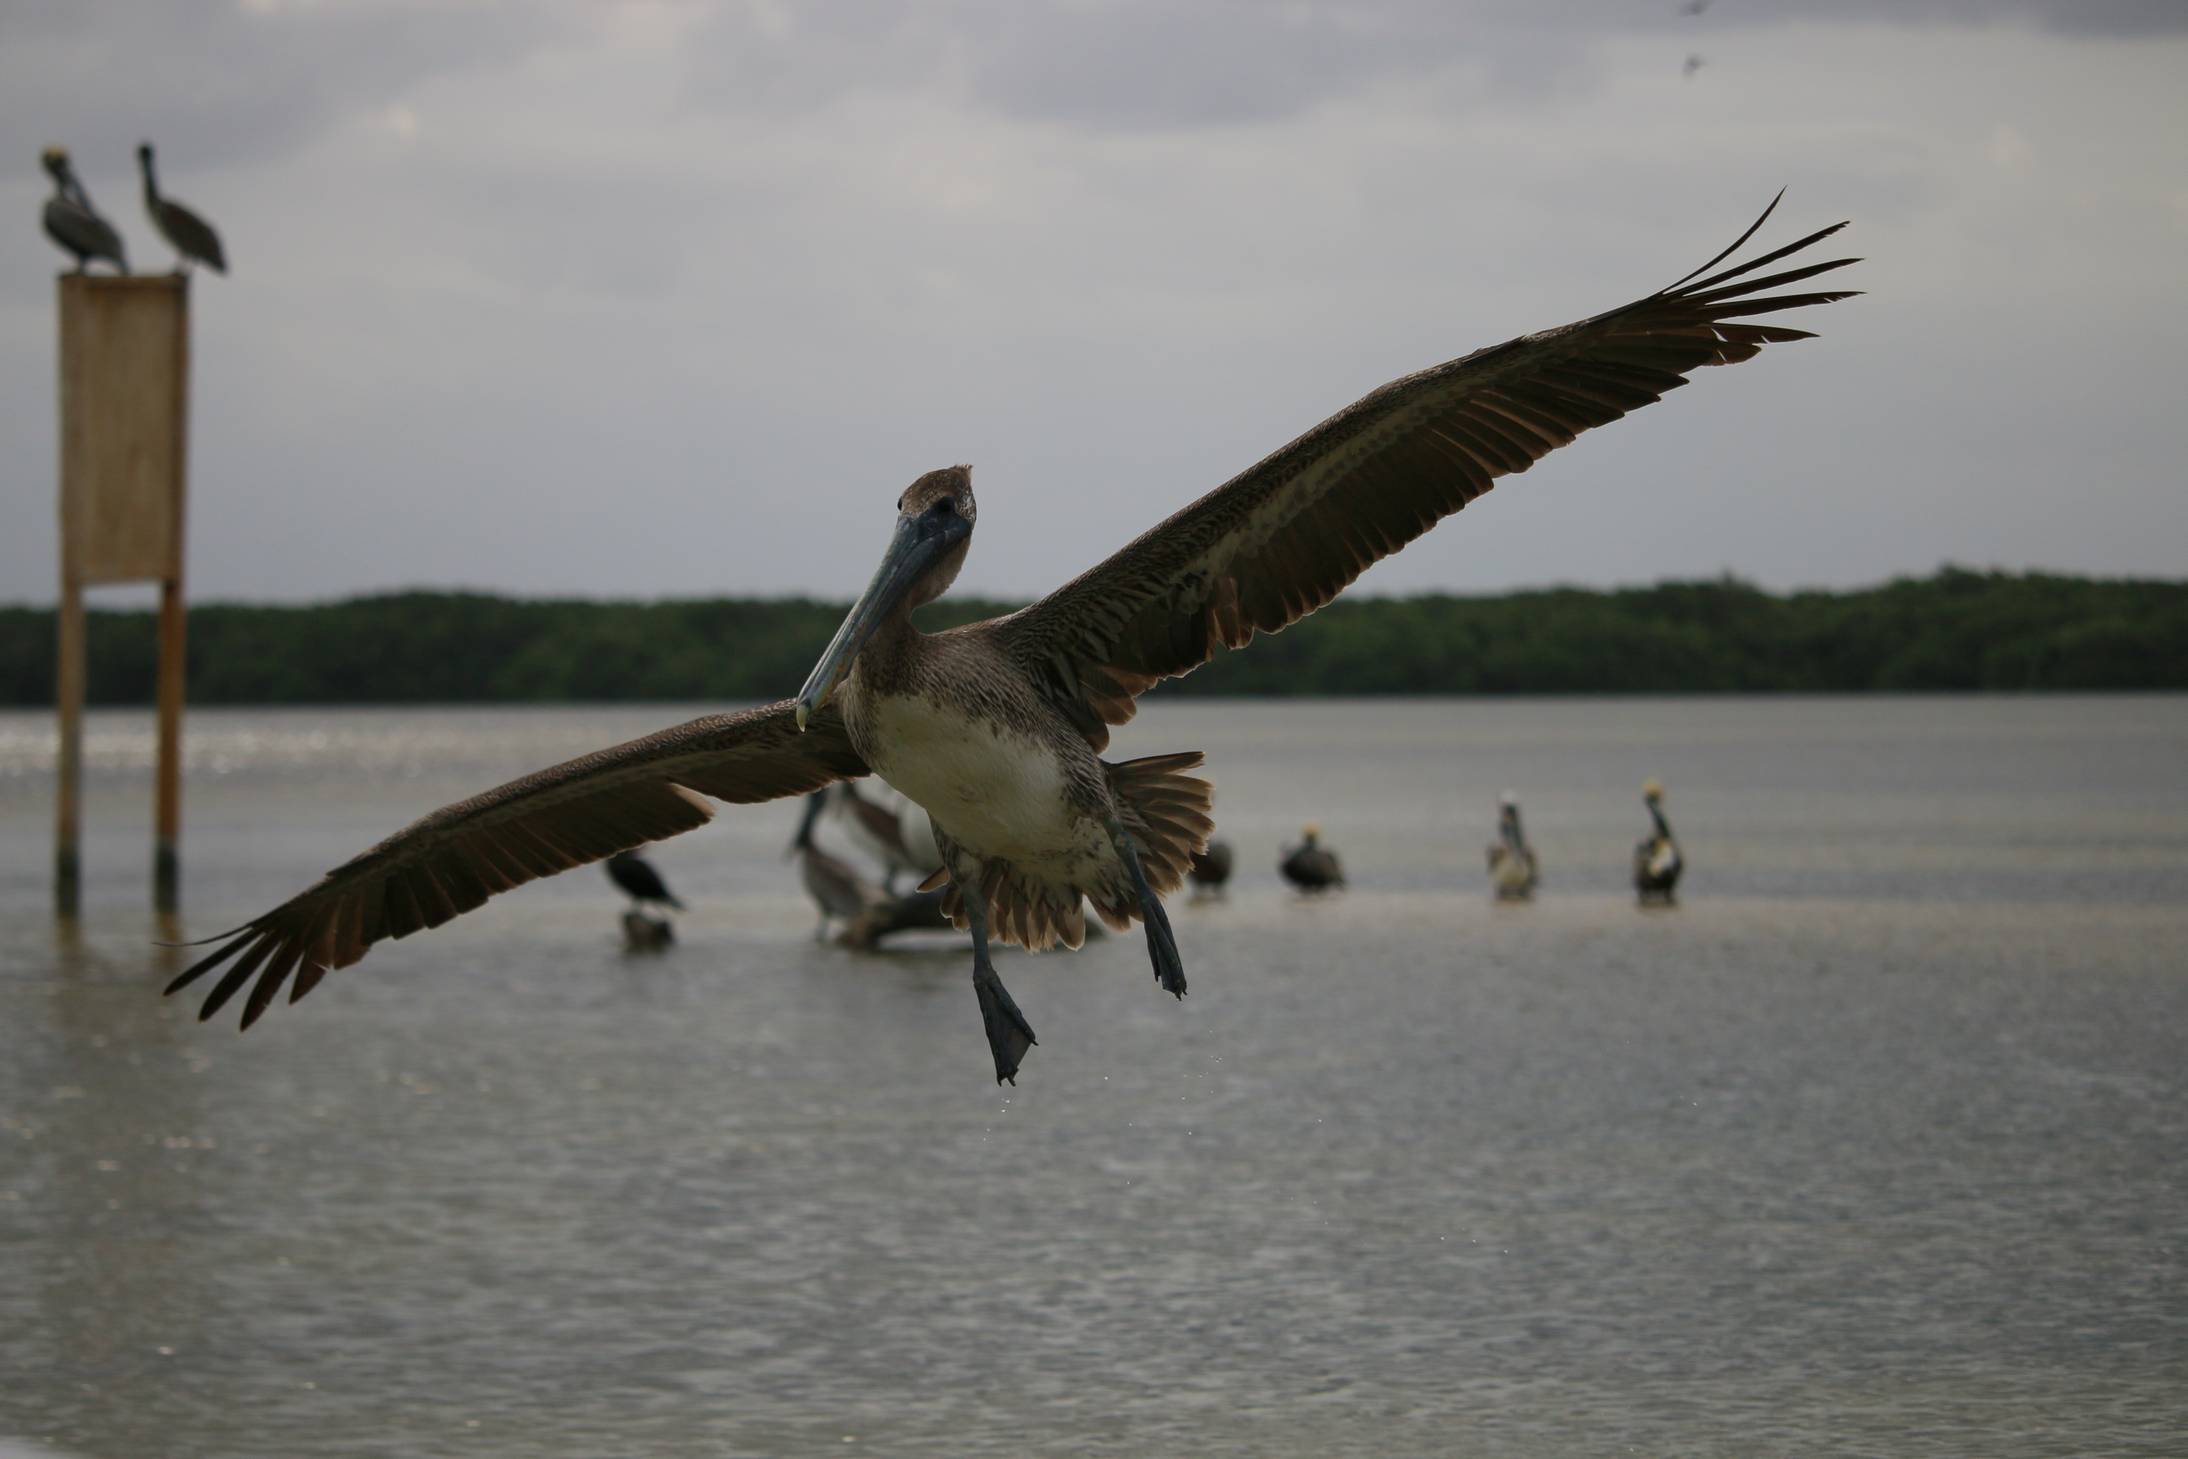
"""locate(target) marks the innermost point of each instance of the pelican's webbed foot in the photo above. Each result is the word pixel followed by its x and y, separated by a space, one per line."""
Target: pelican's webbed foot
pixel 1009 1035
pixel 1162 943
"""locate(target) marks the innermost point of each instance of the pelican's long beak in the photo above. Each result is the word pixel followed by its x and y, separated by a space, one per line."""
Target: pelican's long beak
pixel 920 542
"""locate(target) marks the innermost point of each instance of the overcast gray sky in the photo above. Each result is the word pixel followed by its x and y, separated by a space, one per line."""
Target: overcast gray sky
pixel 644 299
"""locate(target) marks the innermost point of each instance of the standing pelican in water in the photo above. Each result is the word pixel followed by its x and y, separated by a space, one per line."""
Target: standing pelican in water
pixel 192 238
pixel 72 222
pixel 997 727
pixel 1656 859
pixel 1512 872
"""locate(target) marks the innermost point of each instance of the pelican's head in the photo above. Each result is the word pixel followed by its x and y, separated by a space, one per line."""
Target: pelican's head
pixel 144 156
pixel 934 520
pixel 1652 790
pixel 1310 833
pixel 55 161
pixel 1508 802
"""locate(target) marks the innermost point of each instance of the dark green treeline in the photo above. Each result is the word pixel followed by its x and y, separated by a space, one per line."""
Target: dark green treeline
pixel 1957 630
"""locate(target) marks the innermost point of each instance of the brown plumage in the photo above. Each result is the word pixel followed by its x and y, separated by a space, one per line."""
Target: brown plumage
pixel 192 238
pixel 995 728
pixel 583 810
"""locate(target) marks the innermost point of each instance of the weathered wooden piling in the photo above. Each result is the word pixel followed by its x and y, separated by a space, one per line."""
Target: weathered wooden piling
pixel 124 407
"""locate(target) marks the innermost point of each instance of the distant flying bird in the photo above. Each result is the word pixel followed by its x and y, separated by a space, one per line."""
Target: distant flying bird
pixel 191 236
pixel 1512 873
pixel 996 727
pixel 834 885
pixel 1311 866
pixel 639 881
pixel 1656 859
pixel 71 221
pixel 1694 64
pixel 1211 869
pixel 1694 7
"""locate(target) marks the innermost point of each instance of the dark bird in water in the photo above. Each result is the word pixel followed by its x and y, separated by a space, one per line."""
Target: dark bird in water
pixel 1695 62
pixel 1311 866
pixel 192 238
pixel 1694 7
pixel 640 881
pixel 997 727
pixel 1656 859
pixel 1211 869
pixel 834 885
pixel 1512 872
pixel 72 222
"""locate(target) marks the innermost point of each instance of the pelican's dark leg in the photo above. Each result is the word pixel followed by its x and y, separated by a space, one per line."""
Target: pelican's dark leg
pixel 1162 944
pixel 1009 1035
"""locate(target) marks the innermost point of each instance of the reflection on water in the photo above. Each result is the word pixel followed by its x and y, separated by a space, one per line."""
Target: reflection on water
pixel 1872 1145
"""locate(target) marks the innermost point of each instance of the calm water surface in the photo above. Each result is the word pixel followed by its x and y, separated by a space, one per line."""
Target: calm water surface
pixel 1874 1145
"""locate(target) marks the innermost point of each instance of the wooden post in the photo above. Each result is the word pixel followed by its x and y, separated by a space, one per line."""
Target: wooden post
pixel 125 368
pixel 68 801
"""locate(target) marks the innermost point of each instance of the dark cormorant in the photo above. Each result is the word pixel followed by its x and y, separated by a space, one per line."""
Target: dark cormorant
pixel 1311 866
pixel 637 877
pixel 72 222
pixel 191 236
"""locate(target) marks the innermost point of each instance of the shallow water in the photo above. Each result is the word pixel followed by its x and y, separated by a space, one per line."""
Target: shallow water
pixel 1871 1146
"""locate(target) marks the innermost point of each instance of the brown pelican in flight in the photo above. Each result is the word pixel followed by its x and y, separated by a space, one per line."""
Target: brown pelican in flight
pixel 192 238
pixel 72 222
pixel 997 727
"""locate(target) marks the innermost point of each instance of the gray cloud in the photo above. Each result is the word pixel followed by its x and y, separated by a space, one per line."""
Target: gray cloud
pixel 658 298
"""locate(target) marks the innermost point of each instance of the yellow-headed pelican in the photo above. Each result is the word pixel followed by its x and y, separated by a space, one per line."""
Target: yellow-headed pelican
pixel 1512 873
pixel 997 727
pixel 1656 859
pixel 72 222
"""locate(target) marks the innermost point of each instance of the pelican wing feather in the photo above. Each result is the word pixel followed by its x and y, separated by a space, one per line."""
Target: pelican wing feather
pixel 1284 537
pixel 580 811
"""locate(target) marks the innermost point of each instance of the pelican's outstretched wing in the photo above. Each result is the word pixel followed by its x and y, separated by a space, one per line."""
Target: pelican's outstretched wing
pixel 454 859
pixel 1283 538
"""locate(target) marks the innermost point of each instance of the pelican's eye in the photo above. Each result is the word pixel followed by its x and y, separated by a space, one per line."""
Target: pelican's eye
pixel 942 508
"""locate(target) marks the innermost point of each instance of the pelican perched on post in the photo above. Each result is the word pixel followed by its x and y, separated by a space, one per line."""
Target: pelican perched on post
pixel 1512 872
pixel 1656 859
pixel 997 727
pixel 192 238
pixel 72 222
